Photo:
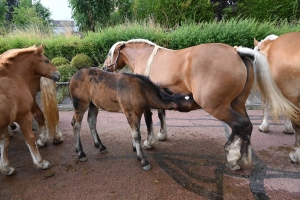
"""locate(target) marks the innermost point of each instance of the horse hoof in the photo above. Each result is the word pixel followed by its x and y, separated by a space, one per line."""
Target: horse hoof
pixel 288 133
pixel 8 171
pixel 57 141
pixel 44 164
pixel 146 145
pixel 233 167
pixel 263 131
pixel 103 151
pixel 147 167
pixel 84 159
pixel 161 137
pixel 40 144
pixel 295 155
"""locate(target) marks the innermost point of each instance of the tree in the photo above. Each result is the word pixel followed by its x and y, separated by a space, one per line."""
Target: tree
pixel 28 13
pixel 90 13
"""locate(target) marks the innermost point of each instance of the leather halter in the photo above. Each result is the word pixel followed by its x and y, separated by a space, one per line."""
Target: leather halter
pixel 112 67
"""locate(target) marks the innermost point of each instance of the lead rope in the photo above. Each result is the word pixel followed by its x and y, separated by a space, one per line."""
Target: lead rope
pixel 148 67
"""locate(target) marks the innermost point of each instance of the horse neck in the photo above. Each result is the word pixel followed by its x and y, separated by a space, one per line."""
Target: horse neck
pixel 21 73
pixel 136 56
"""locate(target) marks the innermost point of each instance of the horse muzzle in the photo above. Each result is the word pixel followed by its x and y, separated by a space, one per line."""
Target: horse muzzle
pixel 56 76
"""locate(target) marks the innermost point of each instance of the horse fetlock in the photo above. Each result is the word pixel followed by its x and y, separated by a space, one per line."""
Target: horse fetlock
pixel 147 145
pixel 41 143
pixel 82 157
pixel 295 155
pixel 103 150
pixel 233 150
pixel 246 160
pixel 145 165
pixel 44 164
pixel 7 170
pixel 161 136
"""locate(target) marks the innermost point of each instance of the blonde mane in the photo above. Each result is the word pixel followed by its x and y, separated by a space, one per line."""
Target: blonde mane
pixel 7 56
pixel 112 49
pixel 269 37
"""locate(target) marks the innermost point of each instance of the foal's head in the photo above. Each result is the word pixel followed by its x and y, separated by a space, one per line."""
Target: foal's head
pixel 29 61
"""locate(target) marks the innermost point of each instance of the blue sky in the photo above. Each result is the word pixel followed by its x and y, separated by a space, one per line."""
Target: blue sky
pixel 59 9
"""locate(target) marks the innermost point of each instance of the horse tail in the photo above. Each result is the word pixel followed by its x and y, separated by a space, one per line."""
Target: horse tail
pixel 49 104
pixel 272 98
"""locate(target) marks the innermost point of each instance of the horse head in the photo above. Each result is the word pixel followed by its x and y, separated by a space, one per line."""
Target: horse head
pixel 112 61
pixel 43 66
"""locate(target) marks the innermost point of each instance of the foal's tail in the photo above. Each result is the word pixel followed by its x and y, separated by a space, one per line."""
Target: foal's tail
pixel 272 97
pixel 49 103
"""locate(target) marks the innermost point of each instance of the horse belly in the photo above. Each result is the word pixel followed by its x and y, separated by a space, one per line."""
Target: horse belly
pixel 107 103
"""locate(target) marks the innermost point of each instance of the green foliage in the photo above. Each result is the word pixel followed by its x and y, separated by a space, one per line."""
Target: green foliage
pixel 88 14
pixel 82 61
pixel 171 13
pixel 26 14
pixel 57 61
pixel 66 72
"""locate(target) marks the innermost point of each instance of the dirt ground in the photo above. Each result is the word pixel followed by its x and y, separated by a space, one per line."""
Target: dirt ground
pixel 189 165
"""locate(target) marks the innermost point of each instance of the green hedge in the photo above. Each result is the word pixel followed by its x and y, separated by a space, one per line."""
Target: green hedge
pixel 238 32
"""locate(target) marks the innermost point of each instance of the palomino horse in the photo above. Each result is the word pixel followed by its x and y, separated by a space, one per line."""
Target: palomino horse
pixel 18 67
pixel 94 89
pixel 217 75
pixel 283 54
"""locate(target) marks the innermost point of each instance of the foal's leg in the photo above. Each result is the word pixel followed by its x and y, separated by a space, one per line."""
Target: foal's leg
pixel 134 123
pixel 92 120
pixel 4 162
pixel 149 142
pixel 79 111
pixel 26 126
pixel 162 135
pixel 264 127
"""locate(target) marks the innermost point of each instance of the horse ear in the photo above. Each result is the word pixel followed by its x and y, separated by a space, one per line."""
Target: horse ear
pixel 40 49
pixel 34 46
pixel 255 42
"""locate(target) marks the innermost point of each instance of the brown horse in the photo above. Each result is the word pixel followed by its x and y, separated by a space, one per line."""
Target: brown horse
pixel 283 54
pixel 217 75
pixel 18 67
pixel 94 89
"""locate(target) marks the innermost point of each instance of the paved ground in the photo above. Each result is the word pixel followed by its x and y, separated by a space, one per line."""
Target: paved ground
pixel 189 165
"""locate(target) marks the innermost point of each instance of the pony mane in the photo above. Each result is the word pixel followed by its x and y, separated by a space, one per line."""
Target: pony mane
pixel 269 37
pixel 7 56
pixel 155 87
pixel 145 41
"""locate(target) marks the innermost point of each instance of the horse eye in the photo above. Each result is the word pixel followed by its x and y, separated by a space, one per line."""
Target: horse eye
pixel 47 61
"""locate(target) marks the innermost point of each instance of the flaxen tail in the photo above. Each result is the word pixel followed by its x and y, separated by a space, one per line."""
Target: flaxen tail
pixel 272 97
pixel 49 103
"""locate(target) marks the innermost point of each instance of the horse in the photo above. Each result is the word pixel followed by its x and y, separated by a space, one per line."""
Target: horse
pixel 18 68
pixel 131 94
pixel 284 62
pixel 218 76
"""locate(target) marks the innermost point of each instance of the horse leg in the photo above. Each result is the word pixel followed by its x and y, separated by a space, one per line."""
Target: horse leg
pixel 4 143
pixel 92 120
pixel 288 127
pixel 295 154
pixel 162 135
pixel 149 142
pixel 39 117
pixel 134 123
pixel 26 126
pixel 264 127
pixel 79 111
pixel 238 145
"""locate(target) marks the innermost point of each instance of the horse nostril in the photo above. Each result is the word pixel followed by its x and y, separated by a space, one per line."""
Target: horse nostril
pixel 56 76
